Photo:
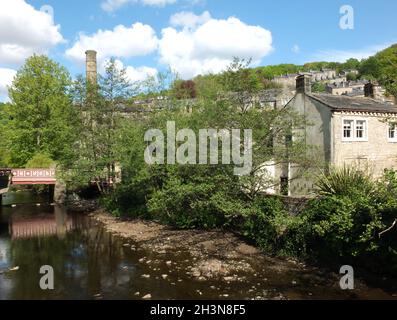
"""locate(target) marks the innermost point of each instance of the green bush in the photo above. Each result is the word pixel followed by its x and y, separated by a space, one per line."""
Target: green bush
pixel 40 160
pixel 272 227
pixel 188 200
pixel 344 181
pixel 347 220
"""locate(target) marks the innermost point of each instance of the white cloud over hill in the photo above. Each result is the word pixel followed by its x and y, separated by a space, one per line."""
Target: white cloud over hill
pixel 204 44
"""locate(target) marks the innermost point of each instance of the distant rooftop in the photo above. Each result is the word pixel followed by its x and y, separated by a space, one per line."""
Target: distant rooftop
pixel 347 84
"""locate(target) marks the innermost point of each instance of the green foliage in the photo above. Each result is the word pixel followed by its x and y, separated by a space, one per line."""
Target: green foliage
pixel 188 199
pixel 383 67
pixel 272 227
pixel 40 118
pixel 99 121
pixel 348 222
pixel 318 87
pixel 351 76
pixel 351 64
pixel 239 78
pixel 40 161
pixel 5 156
pixel 205 196
pixel 269 72
pixel 344 226
pixel 344 181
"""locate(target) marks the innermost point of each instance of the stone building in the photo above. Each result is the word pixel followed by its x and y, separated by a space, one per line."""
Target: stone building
pixel 324 75
pixel 341 131
pixel 349 88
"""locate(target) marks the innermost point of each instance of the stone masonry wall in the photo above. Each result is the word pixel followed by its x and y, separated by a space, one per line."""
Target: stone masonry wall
pixel 378 153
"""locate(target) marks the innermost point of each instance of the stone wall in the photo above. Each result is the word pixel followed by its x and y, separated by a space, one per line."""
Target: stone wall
pixel 318 136
pixel 376 154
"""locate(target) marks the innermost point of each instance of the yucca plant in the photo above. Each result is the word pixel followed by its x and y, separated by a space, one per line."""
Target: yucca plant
pixel 344 181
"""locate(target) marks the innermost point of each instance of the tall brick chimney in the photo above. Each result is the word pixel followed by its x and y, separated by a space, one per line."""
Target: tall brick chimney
pixel 91 66
pixel 304 83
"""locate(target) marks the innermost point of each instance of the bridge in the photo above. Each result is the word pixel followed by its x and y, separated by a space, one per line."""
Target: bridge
pixel 27 177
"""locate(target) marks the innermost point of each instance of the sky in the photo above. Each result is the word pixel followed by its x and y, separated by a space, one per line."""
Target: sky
pixel 190 36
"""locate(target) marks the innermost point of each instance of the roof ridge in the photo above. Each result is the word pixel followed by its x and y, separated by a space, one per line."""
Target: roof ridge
pixel 353 103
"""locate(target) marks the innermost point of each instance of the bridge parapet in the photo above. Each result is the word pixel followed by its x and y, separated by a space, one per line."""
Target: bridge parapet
pixel 30 176
pixel 33 176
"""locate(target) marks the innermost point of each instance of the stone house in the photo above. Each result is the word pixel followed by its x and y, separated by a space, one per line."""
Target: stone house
pixel 342 131
pixel 347 88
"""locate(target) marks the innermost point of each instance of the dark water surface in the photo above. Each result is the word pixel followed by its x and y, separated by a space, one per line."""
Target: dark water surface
pixel 91 264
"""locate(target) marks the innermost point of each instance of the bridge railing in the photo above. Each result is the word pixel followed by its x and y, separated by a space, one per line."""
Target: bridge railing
pixel 29 176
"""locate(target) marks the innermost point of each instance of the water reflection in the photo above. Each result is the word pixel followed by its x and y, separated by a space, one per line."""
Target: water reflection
pixel 43 224
pixel 91 264
pixel 86 260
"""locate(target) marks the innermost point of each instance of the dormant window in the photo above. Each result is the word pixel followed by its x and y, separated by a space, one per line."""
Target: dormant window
pixel 355 130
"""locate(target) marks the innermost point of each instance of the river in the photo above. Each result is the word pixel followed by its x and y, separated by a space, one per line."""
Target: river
pixel 90 263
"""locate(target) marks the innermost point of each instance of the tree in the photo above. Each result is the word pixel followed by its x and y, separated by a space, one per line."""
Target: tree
pixel 41 115
pixel 185 89
pixel 351 64
pixel 205 195
pixel 318 87
pixel 4 129
pixel 40 161
pixel 383 67
pixel 99 108
pixel 351 76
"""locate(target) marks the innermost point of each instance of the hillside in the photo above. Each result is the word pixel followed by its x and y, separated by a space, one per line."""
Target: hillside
pixel 381 67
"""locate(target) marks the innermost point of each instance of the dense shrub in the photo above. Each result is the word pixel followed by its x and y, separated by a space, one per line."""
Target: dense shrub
pixel 189 200
pixel 347 221
pixel 272 227
pixel 40 161
pixel 344 181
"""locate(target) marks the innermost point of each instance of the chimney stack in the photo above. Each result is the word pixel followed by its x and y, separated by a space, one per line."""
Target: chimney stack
pixel 91 66
pixel 374 90
pixel 304 83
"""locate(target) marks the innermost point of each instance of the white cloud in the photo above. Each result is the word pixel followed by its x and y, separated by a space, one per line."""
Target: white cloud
pixel 189 19
pixel 121 42
pixel 24 31
pixel 6 78
pixel 343 55
pixel 134 74
pixel 140 73
pixel 210 45
pixel 113 5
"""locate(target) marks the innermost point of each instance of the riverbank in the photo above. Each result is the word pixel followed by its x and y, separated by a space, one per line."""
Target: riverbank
pixel 219 255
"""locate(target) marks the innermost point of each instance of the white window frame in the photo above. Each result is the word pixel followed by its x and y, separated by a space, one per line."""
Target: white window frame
pixel 354 137
pixel 394 140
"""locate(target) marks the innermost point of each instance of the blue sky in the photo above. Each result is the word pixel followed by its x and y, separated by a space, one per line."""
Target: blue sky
pixel 203 38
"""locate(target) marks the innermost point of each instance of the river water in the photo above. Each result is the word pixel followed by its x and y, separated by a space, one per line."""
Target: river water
pixel 89 263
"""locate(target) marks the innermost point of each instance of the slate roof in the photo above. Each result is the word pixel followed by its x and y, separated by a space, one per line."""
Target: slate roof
pixel 345 103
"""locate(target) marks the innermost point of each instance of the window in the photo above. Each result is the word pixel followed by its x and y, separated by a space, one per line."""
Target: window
pixel 355 130
pixel 348 129
pixel 393 132
pixel 360 129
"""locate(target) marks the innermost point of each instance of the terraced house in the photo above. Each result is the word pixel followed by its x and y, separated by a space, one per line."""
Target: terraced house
pixel 343 131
